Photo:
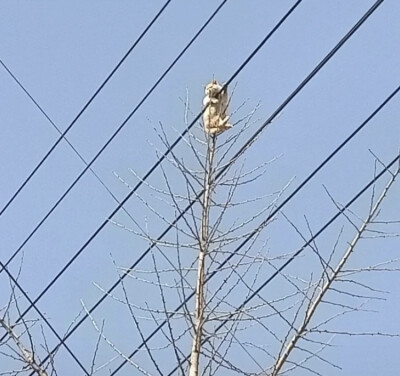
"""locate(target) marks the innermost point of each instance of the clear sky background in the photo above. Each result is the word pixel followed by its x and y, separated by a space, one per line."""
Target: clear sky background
pixel 61 51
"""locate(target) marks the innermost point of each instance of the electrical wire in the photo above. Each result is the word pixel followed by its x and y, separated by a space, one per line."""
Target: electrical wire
pixel 314 72
pixel 297 90
pixel 84 107
pixel 4 267
pixel 137 186
pixel 296 254
pixel 269 35
pixel 94 173
pixel 60 132
pixel 112 138
pixel 352 135
pixel 269 217
pixel 43 317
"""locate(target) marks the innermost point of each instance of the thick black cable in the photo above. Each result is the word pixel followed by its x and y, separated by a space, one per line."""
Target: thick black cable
pixel 324 61
pixel 94 173
pixel 362 20
pixel 269 35
pixel 4 267
pixel 84 107
pixel 75 150
pixel 136 187
pixel 62 135
pixel 268 121
pixel 295 255
pixel 269 218
pixel 43 317
pixel 107 143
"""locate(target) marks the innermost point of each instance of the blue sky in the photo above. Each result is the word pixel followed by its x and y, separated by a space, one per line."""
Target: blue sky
pixel 62 51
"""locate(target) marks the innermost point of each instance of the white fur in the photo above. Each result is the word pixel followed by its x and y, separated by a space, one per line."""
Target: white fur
pixel 216 102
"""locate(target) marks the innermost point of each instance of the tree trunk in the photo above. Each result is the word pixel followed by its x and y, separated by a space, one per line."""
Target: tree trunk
pixel 203 250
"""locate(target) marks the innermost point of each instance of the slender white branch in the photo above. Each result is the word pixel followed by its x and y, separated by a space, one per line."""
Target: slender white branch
pixel 302 329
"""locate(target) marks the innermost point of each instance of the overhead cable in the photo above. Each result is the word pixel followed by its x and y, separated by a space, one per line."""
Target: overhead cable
pixel 308 243
pixel 15 283
pixel 43 220
pixel 269 35
pixel 16 193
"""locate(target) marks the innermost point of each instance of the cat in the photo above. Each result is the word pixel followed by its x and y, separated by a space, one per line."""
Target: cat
pixel 216 102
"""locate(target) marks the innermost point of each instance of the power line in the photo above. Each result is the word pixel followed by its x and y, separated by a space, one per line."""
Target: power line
pixel 296 254
pixel 62 135
pixel 84 161
pixel 270 216
pixel 280 108
pixel 84 107
pixel 311 75
pixel 60 132
pixel 4 267
pixel 112 138
pixel 268 121
pixel 269 35
pixel 18 82
pixel 16 283
pixel 143 179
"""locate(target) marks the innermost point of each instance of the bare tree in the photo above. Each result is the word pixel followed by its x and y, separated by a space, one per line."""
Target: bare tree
pixel 213 306
pixel 202 193
pixel 198 303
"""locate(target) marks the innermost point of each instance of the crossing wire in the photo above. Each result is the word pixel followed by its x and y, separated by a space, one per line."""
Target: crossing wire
pixel 294 93
pixel 111 139
pixel 295 255
pixel 63 135
pixel 280 108
pixel 290 197
pixel 145 177
pixel 43 317
pixel 269 35
pixel 4 266
pixel 60 132
pixel 323 62
pixel 84 107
